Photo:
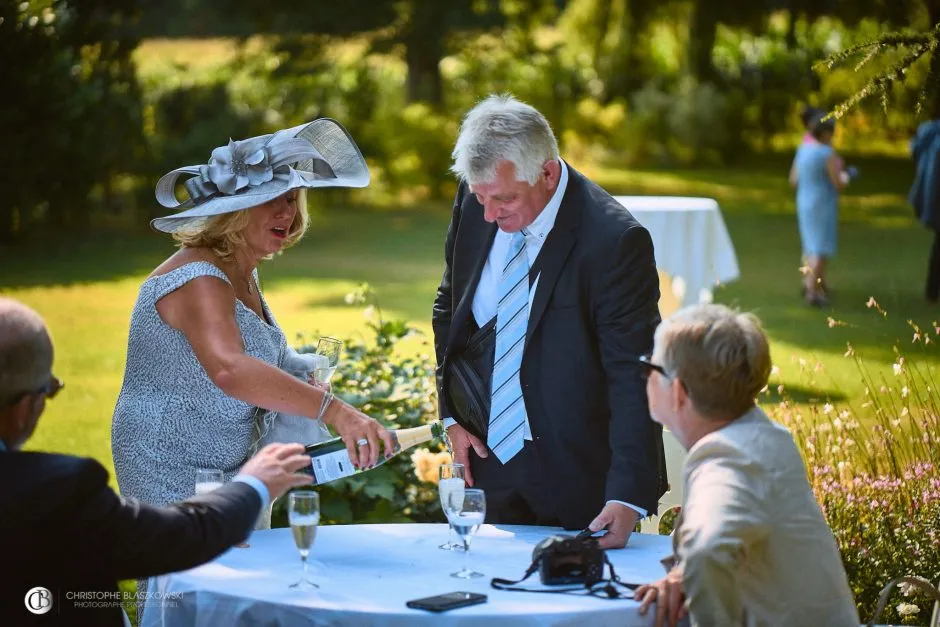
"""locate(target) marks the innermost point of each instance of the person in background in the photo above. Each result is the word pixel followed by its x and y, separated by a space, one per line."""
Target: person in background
pixel 807 115
pixel 566 280
pixel 751 544
pixel 925 197
pixel 818 178
pixel 63 529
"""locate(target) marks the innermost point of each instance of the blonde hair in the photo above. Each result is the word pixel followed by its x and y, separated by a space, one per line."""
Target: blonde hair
pixel 224 233
pixel 721 356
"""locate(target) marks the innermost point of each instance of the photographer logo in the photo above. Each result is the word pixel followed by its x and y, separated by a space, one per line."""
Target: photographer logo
pixel 39 600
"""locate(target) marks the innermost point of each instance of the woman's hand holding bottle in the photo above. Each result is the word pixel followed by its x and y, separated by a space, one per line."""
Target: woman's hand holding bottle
pixel 360 433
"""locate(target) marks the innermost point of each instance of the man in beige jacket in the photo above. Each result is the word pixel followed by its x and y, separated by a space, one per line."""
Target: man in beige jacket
pixel 752 546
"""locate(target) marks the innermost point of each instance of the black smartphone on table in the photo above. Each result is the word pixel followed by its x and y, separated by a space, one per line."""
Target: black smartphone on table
pixel 449 601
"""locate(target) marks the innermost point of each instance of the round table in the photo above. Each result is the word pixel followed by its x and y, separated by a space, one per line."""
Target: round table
pixel 366 573
pixel 690 241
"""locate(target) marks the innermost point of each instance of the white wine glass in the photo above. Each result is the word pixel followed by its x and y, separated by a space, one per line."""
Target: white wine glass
pixel 303 513
pixel 330 348
pixel 452 480
pixel 208 479
pixel 328 351
pixel 466 512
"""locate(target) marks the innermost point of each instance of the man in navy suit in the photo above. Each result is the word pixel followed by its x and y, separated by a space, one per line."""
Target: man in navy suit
pixel 569 440
pixel 64 534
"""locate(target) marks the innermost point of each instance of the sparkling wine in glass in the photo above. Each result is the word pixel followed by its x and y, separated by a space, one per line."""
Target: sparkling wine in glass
pixel 208 479
pixel 303 513
pixel 451 482
pixel 330 348
pixel 466 512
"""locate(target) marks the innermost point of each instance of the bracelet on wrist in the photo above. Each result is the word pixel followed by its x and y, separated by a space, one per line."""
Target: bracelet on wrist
pixel 325 404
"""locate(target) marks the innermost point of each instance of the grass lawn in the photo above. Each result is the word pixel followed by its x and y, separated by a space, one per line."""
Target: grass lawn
pixel 86 287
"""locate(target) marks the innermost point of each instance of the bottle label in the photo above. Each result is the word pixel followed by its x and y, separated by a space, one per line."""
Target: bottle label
pixel 332 466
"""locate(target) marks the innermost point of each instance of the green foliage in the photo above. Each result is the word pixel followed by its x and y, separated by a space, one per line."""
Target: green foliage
pixel 879 483
pixel 689 122
pixel 192 120
pixel 911 46
pixel 399 391
pixel 75 121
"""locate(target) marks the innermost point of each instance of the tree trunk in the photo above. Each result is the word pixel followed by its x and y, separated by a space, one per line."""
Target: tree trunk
pixel 601 24
pixel 629 68
pixel 702 31
pixel 424 72
pixel 424 51
pixel 9 218
pixel 791 30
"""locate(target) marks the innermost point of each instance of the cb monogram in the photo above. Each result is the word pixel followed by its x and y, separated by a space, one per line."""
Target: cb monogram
pixel 39 600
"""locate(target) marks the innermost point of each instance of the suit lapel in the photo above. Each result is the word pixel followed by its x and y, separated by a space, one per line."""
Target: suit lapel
pixel 556 249
pixel 472 248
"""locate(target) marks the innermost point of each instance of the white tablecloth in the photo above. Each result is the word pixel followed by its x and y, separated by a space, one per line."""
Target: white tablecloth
pixel 690 241
pixel 366 574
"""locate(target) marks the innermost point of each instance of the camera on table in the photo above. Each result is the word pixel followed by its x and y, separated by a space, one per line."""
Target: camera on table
pixel 566 560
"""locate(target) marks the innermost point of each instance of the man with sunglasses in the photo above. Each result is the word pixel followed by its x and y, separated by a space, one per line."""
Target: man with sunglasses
pixel 65 536
pixel 751 545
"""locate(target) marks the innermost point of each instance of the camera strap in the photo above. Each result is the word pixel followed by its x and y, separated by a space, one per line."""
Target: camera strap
pixel 603 589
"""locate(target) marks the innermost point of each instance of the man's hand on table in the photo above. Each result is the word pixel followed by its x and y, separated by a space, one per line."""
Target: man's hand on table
pixel 619 520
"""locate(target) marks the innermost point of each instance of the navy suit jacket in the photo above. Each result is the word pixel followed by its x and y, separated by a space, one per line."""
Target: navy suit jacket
pixel 64 529
pixel 596 306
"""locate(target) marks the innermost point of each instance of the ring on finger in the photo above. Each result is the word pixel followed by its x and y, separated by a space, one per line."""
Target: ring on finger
pixel 362 442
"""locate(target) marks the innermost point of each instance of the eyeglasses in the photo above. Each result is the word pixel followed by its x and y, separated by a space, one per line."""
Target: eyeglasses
pixel 49 389
pixel 649 367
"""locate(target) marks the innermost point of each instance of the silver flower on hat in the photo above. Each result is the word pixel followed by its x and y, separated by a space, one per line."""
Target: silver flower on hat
pixel 240 164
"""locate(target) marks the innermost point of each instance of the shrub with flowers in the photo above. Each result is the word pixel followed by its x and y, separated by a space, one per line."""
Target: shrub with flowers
pixel 875 470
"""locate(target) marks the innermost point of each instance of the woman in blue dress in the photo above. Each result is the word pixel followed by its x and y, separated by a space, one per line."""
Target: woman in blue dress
pixel 818 178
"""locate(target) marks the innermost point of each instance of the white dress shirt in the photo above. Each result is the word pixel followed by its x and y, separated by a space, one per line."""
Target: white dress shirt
pixel 486 298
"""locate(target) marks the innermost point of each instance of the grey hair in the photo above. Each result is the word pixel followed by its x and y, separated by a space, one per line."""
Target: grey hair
pixel 25 350
pixel 501 128
pixel 721 356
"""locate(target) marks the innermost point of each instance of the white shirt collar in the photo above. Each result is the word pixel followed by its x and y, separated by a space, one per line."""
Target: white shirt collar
pixel 542 225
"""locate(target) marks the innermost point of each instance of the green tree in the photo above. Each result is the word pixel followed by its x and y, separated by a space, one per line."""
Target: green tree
pixel 906 48
pixel 75 119
pixel 611 31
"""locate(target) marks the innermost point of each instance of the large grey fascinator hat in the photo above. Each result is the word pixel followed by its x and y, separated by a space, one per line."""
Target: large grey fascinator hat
pixel 251 172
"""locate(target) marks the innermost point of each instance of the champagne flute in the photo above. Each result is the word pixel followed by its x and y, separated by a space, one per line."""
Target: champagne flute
pixel 466 512
pixel 303 513
pixel 330 348
pixel 208 479
pixel 452 481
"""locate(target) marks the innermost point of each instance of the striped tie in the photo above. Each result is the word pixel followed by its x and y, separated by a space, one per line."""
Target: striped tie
pixel 507 411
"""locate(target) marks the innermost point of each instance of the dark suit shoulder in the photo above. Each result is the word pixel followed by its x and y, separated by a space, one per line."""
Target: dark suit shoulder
pixel 603 221
pixel 47 470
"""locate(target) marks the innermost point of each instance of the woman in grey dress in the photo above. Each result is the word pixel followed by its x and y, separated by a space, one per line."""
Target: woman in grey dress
pixel 205 354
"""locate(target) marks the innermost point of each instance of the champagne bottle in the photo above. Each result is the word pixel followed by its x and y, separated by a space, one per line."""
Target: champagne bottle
pixel 330 461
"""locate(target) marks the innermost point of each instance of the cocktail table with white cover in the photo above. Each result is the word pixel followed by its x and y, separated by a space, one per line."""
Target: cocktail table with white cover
pixel 366 573
pixel 690 241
